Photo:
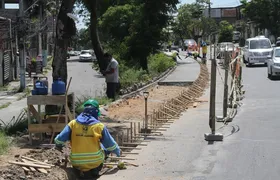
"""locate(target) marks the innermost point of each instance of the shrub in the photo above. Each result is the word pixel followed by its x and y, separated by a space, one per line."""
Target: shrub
pixel 159 63
pixel 4 143
pixel 131 76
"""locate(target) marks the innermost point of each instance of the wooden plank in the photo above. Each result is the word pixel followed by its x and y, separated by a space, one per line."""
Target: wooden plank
pixel 136 148
pixel 122 158
pixel 160 127
pixel 42 170
pixel 34 112
pixel 157 129
pixel 50 127
pixel 32 169
pixel 25 169
pixel 171 116
pixel 130 153
pixel 46 100
pixel 36 161
pixel 29 165
pixel 115 164
pixel 70 115
pixel 135 144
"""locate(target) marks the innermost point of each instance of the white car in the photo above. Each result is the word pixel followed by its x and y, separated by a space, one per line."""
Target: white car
pixel 87 55
pixel 257 50
pixel 273 63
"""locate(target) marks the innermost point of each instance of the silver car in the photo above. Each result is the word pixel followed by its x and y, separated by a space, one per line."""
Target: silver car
pixel 273 63
pixel 87 55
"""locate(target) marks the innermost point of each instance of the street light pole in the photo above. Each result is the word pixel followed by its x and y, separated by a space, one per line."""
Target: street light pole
pixel 146 128
pixel 22 49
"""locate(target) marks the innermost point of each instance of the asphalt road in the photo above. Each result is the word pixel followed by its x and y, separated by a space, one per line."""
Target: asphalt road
pixel 250 150
pixel 85 80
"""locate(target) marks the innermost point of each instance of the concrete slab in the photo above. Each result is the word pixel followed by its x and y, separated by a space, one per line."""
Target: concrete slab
pixel 186 71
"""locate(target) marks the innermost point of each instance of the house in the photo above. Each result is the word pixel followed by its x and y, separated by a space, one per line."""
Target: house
pixel 230 14
pixel 8 60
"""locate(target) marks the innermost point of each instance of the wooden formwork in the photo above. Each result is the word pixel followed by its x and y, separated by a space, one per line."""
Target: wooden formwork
pixel 160 119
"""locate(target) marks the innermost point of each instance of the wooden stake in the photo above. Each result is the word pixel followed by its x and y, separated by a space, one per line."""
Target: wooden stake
pixel 29 165
pixel 130 148
pixel 36 161
pixel 127 135
pixel 135 144
pixel 66 92
pixel 131 131
pixel 25 169
pixel 123 158
pixel 42 170
pixel 134 129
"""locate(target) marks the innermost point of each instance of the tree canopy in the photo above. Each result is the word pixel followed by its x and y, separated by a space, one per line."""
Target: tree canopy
pixel 264 13
pixel 226 32
pixel 190 19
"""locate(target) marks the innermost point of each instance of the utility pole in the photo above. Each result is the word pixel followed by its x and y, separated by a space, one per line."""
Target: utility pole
pixel 209 16
pixel 213 136
pixel 22 47
pixel 225 102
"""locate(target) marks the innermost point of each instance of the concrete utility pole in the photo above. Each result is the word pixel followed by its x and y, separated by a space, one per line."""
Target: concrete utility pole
pixel 225 101
pixel 22 49
pixel 213 136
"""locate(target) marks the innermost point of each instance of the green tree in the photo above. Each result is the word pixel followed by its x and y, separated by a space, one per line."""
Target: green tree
pixel 190 19
pixel 264 13
pixel 84 40
pixel 226 32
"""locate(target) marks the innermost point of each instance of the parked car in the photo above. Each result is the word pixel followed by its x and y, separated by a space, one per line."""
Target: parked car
pixel 257 50
pixel 72 53
pixel 87 55
pixel 273 63
pixel 190 44
pixel 77 53
pixel 224 47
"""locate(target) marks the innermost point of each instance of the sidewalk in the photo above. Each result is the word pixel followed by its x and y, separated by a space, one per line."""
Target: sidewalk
pixel 181 153
pixel 187 71
pixel 14 103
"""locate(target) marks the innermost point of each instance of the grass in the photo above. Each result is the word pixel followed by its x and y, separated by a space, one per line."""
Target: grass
pixel 157 64
pixel 101 100
pixel 27 92
pixel 4 143
pixel 4 88
pixel 15 125
pixel 5 105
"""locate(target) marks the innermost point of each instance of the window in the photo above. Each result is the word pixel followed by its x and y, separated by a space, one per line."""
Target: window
pixel 277 52
pixel 260 44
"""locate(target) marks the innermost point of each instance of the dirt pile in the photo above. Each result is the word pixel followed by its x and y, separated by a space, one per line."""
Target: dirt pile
pixel 133 108
pixel 50 156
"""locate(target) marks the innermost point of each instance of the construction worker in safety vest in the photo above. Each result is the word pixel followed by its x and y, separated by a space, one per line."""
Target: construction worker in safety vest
pixel 204 51
pixel 90 141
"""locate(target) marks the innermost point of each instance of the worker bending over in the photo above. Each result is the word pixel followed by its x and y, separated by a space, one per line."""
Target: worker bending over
pixel 90 141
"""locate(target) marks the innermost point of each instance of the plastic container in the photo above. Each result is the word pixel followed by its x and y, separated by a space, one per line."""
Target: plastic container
pixel 58 87
pixel 43 79
pixel 40 88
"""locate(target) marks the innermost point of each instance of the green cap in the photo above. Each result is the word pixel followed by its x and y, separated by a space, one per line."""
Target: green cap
pixel 94 103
